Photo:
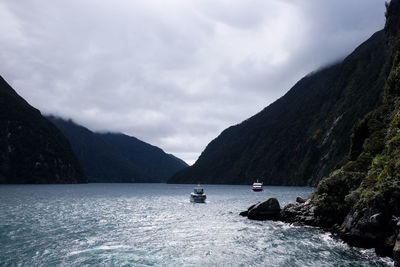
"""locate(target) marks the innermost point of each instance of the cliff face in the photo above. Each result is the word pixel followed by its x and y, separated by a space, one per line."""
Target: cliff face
pixel 361 200
pixel 32 149
pixel 302 136
pixel 115 157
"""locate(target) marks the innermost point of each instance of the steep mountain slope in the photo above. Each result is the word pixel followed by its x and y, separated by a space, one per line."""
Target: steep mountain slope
pixel 117 157
pixel 361 200
pixel 299 138
pixel 32 150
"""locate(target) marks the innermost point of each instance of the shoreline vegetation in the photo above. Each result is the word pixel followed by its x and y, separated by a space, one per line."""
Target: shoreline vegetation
pixel 360 201
pixel 357 195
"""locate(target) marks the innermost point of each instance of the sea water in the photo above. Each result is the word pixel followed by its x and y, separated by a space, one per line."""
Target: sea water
pixel 156 225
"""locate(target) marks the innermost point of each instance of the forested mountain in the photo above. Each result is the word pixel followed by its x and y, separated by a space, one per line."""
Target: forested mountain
pixel 152 160
pixel 361 200
pixel 114 157
pixel 32 149
pixel 303 135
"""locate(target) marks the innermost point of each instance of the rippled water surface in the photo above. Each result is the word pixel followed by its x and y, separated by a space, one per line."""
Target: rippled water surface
pixel 155 224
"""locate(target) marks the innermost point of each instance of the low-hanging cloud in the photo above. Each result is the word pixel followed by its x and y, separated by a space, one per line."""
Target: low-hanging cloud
pixel 172 73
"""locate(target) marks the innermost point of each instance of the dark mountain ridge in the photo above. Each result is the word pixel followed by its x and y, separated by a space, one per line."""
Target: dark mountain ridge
pixel 360 201
pixel 115 157
pixel 32 150
pixel 153 160
pixel 303 135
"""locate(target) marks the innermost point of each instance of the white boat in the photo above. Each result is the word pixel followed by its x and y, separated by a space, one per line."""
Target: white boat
pixel 198 196
pixel 257 187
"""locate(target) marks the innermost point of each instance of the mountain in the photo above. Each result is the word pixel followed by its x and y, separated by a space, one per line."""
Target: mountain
pixel 115 157
pixel 152 160
pixel 32 150
pixel 303 135
pixel 361 200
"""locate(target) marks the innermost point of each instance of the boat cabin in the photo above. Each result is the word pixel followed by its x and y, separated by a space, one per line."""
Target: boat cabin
pixel 199 190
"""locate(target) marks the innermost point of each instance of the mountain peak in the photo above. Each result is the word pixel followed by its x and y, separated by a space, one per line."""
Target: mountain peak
pixel 32 150
pixel 116 157
pixel 392 26
pixel 299 138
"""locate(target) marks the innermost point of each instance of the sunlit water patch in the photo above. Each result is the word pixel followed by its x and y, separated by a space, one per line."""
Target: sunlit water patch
pixel 155 224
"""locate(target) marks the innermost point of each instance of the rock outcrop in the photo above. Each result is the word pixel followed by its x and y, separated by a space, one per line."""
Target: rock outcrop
pixel 371 229
pixel 266 210
pixel 396 251
pixel 360 201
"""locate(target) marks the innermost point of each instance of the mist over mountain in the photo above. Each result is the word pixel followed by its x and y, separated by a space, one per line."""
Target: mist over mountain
pixel 32 149
pixel 115 157
pixel 303 135
pixel 360 200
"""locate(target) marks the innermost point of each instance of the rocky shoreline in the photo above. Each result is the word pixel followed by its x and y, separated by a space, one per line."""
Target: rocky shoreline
pixel 360 200
pixel 371 229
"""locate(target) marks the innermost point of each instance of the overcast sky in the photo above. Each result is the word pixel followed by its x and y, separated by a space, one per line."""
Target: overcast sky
pixel 172 73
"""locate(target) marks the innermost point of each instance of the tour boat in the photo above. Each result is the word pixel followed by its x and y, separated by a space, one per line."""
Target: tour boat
pixel 257 187
pixel 198 196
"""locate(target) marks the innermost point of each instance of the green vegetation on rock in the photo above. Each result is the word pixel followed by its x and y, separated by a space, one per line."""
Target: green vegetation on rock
pixel 375 159
pixel 364 194
pixel 360 199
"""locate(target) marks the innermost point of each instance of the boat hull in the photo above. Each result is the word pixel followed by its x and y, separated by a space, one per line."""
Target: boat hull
pixel 257 189
pixel 198 198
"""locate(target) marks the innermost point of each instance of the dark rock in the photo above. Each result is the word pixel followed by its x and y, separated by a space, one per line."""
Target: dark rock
pixel 252 206
pixel 348 221
pixel 385 247
pixel 291 211
pixel 371 229
pixel 395 222
pixel 299 213
pixel 267 210
pixel 300 200
pixel 396 252
pixel 246 212
pixel 364 230
pixel 376 220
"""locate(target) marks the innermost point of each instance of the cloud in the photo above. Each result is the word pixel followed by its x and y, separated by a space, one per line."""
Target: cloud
pixel 172 73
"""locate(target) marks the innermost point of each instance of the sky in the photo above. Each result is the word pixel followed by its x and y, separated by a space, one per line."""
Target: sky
pixel 173 73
